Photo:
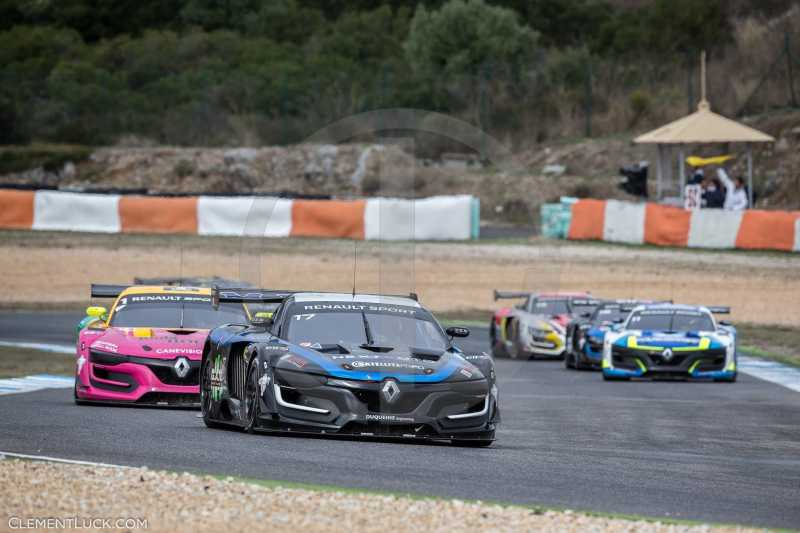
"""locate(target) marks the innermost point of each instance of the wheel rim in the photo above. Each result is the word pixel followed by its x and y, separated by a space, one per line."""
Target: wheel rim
pixel 250 398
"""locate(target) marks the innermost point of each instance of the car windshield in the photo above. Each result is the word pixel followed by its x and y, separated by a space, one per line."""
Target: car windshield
pixel 609 314
pixel 671 321
pixel 580 307
pixel 349 329
pixel 550 307
pixel 177 314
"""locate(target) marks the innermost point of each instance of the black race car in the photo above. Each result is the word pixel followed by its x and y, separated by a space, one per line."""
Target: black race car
pixel 346 364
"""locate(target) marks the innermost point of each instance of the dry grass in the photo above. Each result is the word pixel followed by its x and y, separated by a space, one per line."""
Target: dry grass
pixel 58 267
pixel 15 362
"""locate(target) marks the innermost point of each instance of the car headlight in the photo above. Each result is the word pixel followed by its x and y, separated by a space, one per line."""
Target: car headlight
pixel 537 332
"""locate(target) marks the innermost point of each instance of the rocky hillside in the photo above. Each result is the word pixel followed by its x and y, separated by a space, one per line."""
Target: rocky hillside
pixel 542 173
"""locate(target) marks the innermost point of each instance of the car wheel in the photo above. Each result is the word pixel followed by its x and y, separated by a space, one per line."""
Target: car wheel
pixel 205 397
pixel 495 344
pixel 252 405
pixel 568 360
pixel 78 401
pixel 516 351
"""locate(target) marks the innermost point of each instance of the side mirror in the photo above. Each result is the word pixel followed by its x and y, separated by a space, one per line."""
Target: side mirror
pixel 725 323
pixel 96 311
pixel 586 315
pixel 619 321
pixel 457 332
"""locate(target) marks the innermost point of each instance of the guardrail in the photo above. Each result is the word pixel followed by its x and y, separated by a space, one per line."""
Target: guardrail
pixel 660 225
pixel 434 218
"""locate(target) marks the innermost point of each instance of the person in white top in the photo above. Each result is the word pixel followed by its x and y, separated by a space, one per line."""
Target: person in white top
pixel 735 193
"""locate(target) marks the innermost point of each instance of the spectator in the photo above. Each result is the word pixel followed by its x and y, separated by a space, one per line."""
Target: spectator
pixel 713 195
pixel 697 177
pixel 735 193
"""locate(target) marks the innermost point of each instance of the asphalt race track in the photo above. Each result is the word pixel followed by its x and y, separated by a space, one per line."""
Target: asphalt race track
pixel 714 452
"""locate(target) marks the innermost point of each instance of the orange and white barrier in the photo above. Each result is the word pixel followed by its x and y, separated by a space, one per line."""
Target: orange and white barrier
pixel 627 222
pixel 437 218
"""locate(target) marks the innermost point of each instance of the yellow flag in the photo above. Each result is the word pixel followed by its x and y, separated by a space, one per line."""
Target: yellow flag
pixel 697 161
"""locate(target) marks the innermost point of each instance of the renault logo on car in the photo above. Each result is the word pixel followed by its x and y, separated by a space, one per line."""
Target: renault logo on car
pixel 390 390
pixel 666 354
pixel 181 367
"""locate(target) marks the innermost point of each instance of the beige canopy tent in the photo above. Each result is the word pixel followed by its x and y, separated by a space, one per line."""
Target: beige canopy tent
pixel 701 127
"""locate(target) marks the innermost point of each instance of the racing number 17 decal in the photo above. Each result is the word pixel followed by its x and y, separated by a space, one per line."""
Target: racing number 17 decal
pixel 216 379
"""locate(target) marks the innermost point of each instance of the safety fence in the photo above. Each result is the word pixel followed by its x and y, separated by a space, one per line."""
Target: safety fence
pixel 660 225
pixel 434 218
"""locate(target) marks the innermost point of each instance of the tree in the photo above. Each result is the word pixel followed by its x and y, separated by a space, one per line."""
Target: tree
pixel 465 35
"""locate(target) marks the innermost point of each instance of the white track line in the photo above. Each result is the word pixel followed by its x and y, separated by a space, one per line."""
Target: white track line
pixel 58 460
pixel 42 347
pixel 771 371
pixel 33 383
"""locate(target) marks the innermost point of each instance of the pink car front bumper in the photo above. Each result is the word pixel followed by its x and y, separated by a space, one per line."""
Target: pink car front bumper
pixel 140 382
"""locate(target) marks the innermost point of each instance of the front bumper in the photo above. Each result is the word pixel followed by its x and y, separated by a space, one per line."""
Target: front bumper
pixel 116 378
pixel 591 355
pixel 699 364
pixel 306 403
pixel 552 343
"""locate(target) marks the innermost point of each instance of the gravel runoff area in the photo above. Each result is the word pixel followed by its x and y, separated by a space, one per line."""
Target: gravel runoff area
pixel 55 268
pixel 169 501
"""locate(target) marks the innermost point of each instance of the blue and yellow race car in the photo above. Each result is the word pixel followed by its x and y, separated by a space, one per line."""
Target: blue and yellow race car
pixel 585 335
pixel 671 341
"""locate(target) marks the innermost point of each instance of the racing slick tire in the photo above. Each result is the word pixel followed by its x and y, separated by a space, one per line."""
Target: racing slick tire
pixel 569 360
pixel 516 351
pixel 252 404
pixel 205 398
pixel 494 342
pixel 78 401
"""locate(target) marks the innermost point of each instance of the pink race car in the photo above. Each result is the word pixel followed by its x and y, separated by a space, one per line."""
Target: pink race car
pixel 147 349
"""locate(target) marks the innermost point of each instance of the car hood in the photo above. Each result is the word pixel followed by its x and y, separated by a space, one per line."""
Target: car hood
pixel 370 366
pixel 648 339
pixel 156 343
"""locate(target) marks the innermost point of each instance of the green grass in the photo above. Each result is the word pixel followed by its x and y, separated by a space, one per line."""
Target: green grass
pixel 789 360
pixel 16 362
pixel 777 343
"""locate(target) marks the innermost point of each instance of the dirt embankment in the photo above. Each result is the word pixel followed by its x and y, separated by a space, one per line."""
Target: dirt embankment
pixel 56 268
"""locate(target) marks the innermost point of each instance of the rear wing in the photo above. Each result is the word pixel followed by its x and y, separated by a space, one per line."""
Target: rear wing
pixel 719 310
pixel 245 295
pixel 107 291
pixel 250 295
pixel 213 281
pixel 509 295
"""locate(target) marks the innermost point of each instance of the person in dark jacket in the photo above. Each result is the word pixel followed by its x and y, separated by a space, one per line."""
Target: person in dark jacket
pixel 713 194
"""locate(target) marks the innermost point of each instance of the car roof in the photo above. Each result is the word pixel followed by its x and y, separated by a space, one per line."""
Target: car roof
pixel 165 289
pixel 358 298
